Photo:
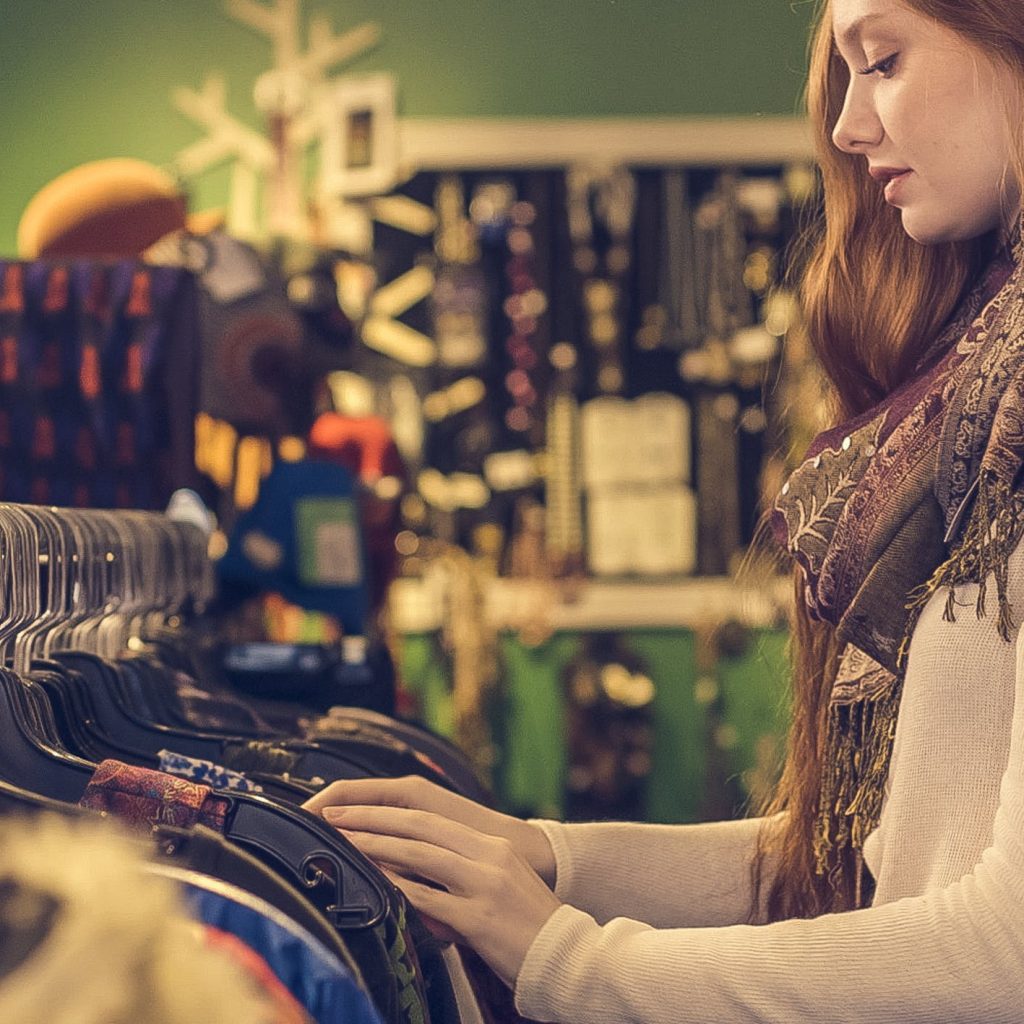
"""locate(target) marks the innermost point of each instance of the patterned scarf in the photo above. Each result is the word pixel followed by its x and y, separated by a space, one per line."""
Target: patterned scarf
pixel 918 493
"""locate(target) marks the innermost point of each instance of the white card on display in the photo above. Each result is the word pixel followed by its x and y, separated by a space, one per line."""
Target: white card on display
pixel 662 433
pixel 611 533
pixel 666 544
pixel 608 452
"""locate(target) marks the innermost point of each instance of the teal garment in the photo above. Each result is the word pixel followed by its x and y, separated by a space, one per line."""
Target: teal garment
pixel 676 786
pixel 303 539
pixel 423 675
pixel 756 709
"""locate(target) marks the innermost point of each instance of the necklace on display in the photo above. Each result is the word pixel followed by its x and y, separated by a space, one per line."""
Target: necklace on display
pixel 601 206
pixel 459 299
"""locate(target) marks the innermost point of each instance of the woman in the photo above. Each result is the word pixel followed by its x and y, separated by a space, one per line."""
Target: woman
pixel 903 523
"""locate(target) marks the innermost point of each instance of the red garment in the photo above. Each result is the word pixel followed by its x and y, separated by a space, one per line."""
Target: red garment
pixel 364 445
pixel 287 1008
pixel 144 797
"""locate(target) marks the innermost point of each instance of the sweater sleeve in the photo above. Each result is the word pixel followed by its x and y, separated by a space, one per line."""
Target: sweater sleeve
pixel 952 954
pixel 600 867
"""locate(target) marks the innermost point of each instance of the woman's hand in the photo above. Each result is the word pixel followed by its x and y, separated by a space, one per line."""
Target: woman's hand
pixel 475 884
pixel 416 793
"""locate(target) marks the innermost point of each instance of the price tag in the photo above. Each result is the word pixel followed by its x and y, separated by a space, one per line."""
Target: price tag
pixel 328 542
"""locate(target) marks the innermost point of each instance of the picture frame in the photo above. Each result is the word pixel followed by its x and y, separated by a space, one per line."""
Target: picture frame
pixel 360 139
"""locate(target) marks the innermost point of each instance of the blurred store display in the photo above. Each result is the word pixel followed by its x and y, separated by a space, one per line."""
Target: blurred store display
pixel 560 391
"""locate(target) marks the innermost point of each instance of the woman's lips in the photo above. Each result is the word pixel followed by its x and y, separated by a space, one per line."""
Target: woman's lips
pixel 893 185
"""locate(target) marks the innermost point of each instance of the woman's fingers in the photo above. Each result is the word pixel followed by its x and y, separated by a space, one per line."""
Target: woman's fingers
pixel 416 794
pixel 414 857
pixel 435 908
pixel 413 794
pixel 424 826
pixel 470 882
pixel 497 907
pixel 410 791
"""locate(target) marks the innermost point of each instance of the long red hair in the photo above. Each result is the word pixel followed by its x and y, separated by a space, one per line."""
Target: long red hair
pixel 874 299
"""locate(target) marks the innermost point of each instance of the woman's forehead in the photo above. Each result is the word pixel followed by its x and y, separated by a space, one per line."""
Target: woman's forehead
pixel 850 18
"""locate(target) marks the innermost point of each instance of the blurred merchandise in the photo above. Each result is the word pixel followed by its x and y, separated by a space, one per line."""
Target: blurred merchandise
pixel 303 539
pixel 609 701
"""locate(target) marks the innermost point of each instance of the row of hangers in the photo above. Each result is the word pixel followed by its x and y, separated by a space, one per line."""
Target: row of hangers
pixel 78 586
pixel 93 579
pixel 79 589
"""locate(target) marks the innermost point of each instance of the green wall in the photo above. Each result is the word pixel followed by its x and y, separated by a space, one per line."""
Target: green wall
pixel 703 757
pixel 86 79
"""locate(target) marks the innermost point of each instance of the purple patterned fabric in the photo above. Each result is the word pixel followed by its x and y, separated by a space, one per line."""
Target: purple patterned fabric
pixel 96 408
pixel 917 494
pixel 867 514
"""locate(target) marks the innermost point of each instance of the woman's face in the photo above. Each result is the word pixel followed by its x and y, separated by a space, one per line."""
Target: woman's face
pixel 924 108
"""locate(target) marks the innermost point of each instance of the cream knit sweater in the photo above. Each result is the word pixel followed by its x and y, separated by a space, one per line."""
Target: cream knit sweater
pixel 650 931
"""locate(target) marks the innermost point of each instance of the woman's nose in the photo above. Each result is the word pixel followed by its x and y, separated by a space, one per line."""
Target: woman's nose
pixel 858 127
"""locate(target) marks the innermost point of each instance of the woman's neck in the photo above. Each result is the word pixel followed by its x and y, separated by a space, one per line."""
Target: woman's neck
pixel 1010 231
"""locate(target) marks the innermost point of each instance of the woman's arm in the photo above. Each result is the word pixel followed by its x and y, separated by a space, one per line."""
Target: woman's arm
pixel 955 955
pixel 608 870
pixel 603 868
pixel 951 954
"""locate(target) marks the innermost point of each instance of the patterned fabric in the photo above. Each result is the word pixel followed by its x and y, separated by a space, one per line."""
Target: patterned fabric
pixel 915 494
pixel 412 998
pixel 868 489
pixel 213 775
pixel 88 407
pixel 143 797
pixel 259 756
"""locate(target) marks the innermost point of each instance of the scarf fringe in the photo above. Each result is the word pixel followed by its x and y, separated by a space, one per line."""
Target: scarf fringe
pixel 858 745
pixel 988 540
pixel 860 733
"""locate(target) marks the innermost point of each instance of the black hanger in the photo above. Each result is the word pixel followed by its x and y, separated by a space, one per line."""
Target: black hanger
pixel 207 852
pixel 17 801
pixel 346 888
pixel 29 760
pixel 299 841
pixel 441 751
pixel 88 567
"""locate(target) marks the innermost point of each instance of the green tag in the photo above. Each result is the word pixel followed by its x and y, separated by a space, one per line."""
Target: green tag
pixel 328 542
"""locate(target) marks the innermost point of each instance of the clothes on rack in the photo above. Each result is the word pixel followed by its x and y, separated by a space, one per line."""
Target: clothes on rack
pixel 100 712
pixel 89 938
pixel 326 989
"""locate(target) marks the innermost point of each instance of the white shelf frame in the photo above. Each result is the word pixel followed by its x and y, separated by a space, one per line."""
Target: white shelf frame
pixel 416 605
pixel 502 143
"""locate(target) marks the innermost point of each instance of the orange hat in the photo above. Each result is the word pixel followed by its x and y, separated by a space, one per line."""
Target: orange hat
pixel 114 208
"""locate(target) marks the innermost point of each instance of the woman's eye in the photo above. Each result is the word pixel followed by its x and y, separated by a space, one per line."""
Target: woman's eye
pixel 884 67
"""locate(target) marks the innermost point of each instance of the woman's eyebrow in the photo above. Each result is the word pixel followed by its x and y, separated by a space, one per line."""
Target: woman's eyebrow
pixel 850 34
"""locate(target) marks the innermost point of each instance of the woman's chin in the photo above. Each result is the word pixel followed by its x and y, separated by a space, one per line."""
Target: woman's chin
pixel 933 230
pixel 924 230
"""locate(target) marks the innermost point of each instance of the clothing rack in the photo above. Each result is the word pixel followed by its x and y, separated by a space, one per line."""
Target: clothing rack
pixel 112 702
